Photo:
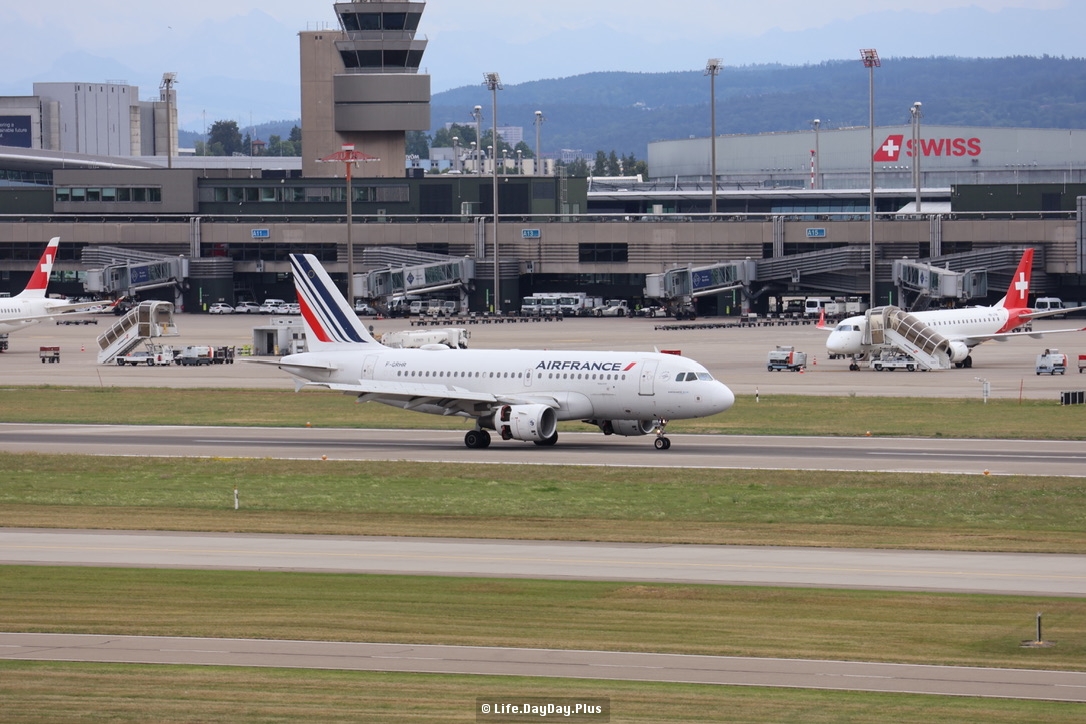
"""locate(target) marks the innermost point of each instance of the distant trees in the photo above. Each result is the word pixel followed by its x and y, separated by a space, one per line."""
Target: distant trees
pixel 608 164
pixel 225 139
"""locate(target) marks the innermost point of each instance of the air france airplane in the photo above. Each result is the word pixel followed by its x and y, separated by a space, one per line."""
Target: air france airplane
pixel 31 306
pixel 519 394
pixel 963 328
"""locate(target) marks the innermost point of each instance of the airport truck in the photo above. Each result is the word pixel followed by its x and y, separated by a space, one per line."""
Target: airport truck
pixel 786 358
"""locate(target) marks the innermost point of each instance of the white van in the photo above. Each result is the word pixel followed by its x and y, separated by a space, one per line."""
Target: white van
pixel 814 306
pixel 1044 304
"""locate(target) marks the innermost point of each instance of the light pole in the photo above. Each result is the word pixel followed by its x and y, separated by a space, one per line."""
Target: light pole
pixel 477 114
pixel 712 69
pixel 816 180
pixel 917 150
pixel 456 154
pixel 168 79
pixel 870 57
pixel 494 84
pixel 538 149
pixel 349 157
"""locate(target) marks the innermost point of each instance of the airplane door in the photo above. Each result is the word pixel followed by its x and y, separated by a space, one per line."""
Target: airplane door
pixel 367 366
pixel 648 375
pixel 528 377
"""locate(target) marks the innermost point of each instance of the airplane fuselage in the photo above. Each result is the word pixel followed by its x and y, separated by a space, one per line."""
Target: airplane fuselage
pixel 586 385
pixel 966 325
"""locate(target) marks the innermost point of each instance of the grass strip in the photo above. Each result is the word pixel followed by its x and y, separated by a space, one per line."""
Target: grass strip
pixel 61 691
pixel 843 509
pixel 772 415
pixel 928 628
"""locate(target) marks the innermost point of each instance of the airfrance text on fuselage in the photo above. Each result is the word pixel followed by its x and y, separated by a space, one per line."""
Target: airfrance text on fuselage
pixel 579 366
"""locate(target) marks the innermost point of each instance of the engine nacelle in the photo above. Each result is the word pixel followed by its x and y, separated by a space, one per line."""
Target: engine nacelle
pixel 957 350
pixel 525 422
pixel 626 428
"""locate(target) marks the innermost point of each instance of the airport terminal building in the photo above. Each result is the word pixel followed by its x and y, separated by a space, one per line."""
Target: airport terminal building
pixel 792 208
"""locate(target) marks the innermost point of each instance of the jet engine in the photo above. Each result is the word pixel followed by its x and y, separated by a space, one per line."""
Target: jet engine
pixel 525 422
pixel 626 428
pixel 957 350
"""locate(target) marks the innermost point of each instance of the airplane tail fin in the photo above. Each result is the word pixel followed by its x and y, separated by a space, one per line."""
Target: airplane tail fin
pixel 1017 296
pixel 39 280
pixel 329 320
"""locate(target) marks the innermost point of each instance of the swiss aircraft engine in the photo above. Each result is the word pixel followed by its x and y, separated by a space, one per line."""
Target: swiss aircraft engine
pixel 626 428
pixel 957 350
pixel 525 422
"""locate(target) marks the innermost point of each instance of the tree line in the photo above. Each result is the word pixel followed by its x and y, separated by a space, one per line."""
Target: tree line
pixel 225 139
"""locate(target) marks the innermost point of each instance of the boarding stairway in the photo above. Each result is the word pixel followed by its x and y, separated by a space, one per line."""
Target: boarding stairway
pixel 144 322
pixel 894 329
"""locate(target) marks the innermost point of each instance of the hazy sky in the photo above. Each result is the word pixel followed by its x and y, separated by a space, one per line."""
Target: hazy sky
pixel 239 58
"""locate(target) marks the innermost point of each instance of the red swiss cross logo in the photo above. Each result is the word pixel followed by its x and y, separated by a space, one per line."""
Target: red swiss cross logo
pixel 890 150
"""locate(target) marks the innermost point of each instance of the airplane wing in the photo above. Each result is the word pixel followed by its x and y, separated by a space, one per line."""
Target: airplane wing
pixel 412 395
pixel 1049 312
pixel 976 339
pixel 61 309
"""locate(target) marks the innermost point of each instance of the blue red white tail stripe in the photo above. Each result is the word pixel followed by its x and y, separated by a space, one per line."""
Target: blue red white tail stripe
pixel 327 316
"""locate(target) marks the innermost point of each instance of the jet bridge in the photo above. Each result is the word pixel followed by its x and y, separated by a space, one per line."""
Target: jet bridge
pixel 145 321
pixel 126 272
pixel 417 274
pixel 925 283
pixel 895 329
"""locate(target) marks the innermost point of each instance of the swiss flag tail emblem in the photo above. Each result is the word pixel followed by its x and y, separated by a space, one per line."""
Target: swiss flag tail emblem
pixel 1018 291
pixel 890 150
pixel 39 280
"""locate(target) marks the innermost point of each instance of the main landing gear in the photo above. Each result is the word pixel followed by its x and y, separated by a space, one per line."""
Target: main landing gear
pixel 477 439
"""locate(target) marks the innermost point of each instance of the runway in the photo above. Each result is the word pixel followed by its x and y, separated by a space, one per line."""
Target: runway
pixel 942 455
pixel 676 668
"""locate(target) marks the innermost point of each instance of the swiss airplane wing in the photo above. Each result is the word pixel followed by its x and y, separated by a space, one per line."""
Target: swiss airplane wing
pixel 975 339
pixel 1037 314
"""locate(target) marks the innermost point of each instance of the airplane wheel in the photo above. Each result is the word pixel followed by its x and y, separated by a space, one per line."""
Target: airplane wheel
pixel 477 439
pixel 548 442
pixel 968 362
pixel 662 443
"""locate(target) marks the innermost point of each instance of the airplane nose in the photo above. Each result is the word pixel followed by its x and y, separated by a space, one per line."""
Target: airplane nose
pixel 725 398
pixel 834 343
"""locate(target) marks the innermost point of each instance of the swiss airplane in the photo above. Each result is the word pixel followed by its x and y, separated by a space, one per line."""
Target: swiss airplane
pixel 519 394
pixel 31 306
pixel 963 329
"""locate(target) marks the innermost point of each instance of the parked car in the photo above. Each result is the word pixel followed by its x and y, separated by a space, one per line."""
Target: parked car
pixel 247 308
pixel 272 306
pixel 364 309
pixel 220 308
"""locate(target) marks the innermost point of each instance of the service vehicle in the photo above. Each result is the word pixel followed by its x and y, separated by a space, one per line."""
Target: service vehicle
pixel 196 355
pixel 152 355
pixel 785 358
pixel 577 304
pixel 613 308
pixel 1045 304
pixel 888 361
pixel 448 338
pixel 1051 362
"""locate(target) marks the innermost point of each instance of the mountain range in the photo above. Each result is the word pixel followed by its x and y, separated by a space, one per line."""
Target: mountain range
pixel 623 112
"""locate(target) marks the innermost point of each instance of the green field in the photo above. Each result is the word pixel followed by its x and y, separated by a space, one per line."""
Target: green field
pixel 752 507
pixel 772 415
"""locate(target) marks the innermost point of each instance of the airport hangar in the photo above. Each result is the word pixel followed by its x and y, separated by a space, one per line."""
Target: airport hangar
pixel 235 226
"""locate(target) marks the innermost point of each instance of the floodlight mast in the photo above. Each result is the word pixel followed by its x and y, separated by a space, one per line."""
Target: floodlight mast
pixel 870 58
pixel 712 69
pixel 349 157
pixel 168 79
pixel 538 148
pixel 494 84
pixel 917 149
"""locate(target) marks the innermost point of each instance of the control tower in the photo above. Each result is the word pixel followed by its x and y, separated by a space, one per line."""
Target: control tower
pixel 361 86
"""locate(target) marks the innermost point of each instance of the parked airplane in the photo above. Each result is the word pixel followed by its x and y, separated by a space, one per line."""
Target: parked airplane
pixel 520 394
pixel 31 306
pixel 955 332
